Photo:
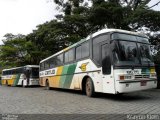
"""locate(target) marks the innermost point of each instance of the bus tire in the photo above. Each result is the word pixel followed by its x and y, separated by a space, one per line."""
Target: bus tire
pixel 47 85
pixel 89 88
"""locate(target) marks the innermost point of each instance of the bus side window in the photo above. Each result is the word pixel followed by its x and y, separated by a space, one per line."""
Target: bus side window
pixel 71 56
pixel 60 59
pixel 66 57
pixel 10 72
pixel 52 62
pixel 96 47
pixel 85 49
pixel 46 64
pixel 106 61
pixel 78 53
pixel 41 66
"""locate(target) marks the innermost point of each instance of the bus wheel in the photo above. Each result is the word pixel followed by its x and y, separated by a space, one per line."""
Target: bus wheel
pixel 47 85
pixel 89 88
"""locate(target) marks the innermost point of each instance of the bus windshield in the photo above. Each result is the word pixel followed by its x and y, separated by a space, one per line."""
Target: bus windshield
pixel 129 52
pixel 35 72
pixel 126 53
pixel 145 52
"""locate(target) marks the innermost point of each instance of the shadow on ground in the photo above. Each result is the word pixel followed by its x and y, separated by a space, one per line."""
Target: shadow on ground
pixel 133 96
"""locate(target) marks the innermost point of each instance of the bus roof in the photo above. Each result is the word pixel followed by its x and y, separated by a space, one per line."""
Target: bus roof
pixel 35 66
pixel 115 30
pixel 93 35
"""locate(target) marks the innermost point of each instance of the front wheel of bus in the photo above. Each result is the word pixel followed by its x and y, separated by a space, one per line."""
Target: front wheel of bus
pixel 47 85
pixel 89 88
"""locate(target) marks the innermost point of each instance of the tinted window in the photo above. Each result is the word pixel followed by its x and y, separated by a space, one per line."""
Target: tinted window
pixel 13 72
pixel 41 66
pixel 60 59
pixel 145 53
pixel 17 71
pixel 78 52
pixel 106 61
pixel 129 37
pixel 52 62
pixel 71 55
pixel 96 47
pixel 46 64
pixel 66 55
pixel 126 53
pixel 10 72
pixel 35 72
pixel 85 49
pixel 123 36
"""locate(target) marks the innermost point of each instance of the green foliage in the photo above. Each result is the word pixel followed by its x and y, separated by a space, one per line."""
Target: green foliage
pixel 16 51
pixel 79 20
pixel 13 50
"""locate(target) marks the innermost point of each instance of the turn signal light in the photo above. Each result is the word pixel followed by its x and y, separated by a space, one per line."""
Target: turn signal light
pixel 121 77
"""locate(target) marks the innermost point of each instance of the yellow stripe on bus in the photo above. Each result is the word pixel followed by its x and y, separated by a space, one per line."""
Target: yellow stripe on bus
pixel 3 82
pixel 10 81
pixel 54 80
pixel 58 77
pixel 59 70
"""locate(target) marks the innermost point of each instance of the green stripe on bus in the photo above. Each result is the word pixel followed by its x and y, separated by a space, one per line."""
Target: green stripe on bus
pixel 16 80
pixel 69 77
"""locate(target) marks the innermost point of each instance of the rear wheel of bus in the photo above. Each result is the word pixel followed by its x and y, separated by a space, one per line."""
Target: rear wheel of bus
pixel 89 88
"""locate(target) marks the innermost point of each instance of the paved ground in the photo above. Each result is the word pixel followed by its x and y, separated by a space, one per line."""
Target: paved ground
pixel 17 100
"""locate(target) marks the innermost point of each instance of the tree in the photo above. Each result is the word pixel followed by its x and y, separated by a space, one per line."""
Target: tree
pixel 17 51
pixel 78 19
pixel 13 51
pixel 48 38
pixel 133 15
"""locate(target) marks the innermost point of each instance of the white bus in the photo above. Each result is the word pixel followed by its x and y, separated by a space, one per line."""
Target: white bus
pixel 108 61
pixel 25 76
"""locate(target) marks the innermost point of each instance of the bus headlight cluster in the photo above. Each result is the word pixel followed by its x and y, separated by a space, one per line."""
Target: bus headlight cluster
pixel 153 75
pixel 125 77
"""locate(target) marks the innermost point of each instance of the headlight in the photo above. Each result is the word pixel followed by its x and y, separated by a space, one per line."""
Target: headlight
pixel 153 75
pixel 125 77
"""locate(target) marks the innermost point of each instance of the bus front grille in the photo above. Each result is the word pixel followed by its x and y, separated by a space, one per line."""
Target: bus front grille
pixel 141 76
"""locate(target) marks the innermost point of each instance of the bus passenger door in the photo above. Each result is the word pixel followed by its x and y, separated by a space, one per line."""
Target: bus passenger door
pixel 27 74
pixel 107 70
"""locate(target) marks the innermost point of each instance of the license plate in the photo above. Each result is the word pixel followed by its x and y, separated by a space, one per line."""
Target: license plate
pixel 143 83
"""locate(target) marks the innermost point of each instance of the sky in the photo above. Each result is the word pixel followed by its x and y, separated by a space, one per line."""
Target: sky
pixel 22 16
